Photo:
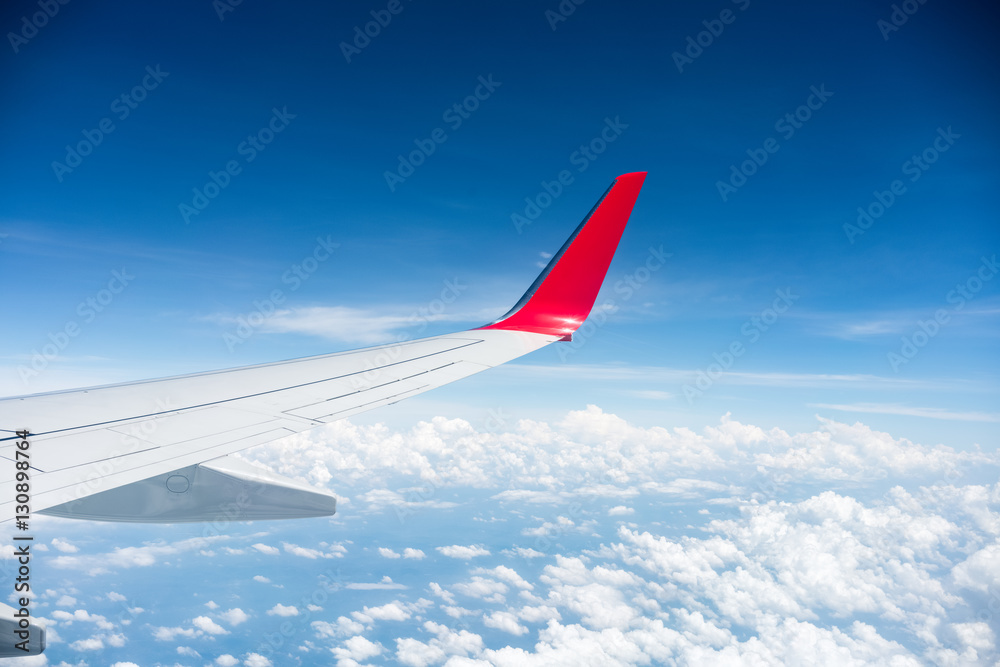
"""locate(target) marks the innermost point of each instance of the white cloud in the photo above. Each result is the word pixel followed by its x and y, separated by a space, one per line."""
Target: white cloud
pixel 188 651
pixel 978 635
pixel 465 553
pixel 226 660
pixel 392 611
pixel 530 495
pixel 343 627
pixel 64 546
pixel 596 595
pixel 504 573
pixel 840 544
pixel 445 643
pixel 590 453
pixel 82 615
pixel 415 653
pixel 164 634
pixel 312 554
pixel 266 549
pixel 91 644
pixel 980 571
pixel 540 614
pixel 387 553
pixel 456 612
pixel 257 660
pixel 207 625
pixel 356 650
pixel 505 621
pixel 752 587
pixel 387 612
pixel 282 610
pixel 416 554
pixel 553 529
pixel 439 591
pixel 485 589
pixel 129 557
pixel 261 578
pixel 234 616
pixel 211 604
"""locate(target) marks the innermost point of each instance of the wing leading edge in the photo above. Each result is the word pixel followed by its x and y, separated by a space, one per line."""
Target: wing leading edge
pixel 157 450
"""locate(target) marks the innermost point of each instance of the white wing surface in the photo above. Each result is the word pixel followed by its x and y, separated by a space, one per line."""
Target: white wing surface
pixel 156 450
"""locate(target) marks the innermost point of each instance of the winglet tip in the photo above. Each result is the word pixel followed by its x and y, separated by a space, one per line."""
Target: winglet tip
pixel 564 294
pixel 639 176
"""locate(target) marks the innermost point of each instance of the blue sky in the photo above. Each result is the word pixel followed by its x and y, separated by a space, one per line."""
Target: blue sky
pixel 324 176
pixel 185 93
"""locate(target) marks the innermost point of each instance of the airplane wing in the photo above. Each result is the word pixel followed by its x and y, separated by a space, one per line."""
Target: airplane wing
pixel 158 450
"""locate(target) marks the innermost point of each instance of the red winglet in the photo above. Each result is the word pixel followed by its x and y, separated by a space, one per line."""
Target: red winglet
pixel 561 297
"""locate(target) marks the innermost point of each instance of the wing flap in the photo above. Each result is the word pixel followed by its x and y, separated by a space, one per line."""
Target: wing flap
pixel 68 484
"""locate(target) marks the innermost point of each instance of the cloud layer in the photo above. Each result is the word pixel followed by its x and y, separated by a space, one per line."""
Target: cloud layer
pixel 586 541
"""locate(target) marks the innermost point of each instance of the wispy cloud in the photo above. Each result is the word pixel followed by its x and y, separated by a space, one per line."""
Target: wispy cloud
pixel 360 326
pixel 381 586
pixel 677 376
pixel 651 394
pixel 852 330
pixel 859 325
pixel 897 409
